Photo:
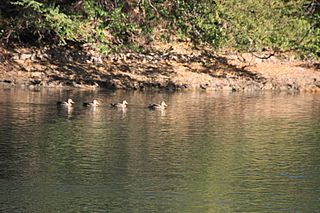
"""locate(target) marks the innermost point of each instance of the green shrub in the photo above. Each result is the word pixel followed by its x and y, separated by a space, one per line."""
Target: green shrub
pixel 89 25
pixel 269 24
pixel 43 20
pixel 197 21
pixel 239 25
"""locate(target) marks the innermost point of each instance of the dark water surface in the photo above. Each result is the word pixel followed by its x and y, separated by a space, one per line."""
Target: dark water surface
pixel 208 152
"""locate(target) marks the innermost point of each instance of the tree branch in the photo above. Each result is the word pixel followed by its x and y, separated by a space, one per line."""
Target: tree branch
pixel 263 57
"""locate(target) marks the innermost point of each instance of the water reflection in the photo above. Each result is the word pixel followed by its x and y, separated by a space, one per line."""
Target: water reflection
pixel 122 111
pixel 65 111
pixel 207 152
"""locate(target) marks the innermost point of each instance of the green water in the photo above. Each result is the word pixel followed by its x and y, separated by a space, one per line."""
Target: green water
pixel 208 152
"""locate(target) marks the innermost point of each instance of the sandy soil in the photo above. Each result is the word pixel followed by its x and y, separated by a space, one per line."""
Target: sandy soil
pixel 172 67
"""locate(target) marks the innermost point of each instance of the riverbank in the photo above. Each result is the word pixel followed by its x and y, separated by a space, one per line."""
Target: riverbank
pixel 169 67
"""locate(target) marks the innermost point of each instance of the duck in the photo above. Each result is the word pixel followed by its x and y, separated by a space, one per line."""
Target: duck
pixel 94 103
pixel 67 103
pixel 160 106
pixel 120 105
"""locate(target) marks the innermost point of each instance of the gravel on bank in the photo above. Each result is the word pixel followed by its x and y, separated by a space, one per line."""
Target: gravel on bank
pixel 168 69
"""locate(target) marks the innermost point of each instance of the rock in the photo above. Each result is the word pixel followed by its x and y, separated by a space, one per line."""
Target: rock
pixel 7 81
pixel 35 82
pixel 116 84
pixel 227 87
pixel 204 86
pixel 43 84
pixel 21 81
pixel 135 85
pixel 96 85
pixel 36 74
pixel 292 86
pixel 41 56
pixel 52 84
pixel 15 56
pixel 19 61
pixel 25 56
pixel 96 59
pixel 267 86
pixel 75 84
pixel 317 84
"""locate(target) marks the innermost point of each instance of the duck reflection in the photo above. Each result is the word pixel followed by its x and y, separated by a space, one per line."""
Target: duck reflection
pixel 121 110
pixel 66 111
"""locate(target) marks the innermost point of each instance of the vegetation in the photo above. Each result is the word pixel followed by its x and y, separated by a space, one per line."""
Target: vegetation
pixel 240 25
pixel 272 25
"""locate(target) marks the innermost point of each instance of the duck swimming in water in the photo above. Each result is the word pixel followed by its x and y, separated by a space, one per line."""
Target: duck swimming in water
pixel 94 103
pixel 120 105
pixel 160 106
pixel 67 103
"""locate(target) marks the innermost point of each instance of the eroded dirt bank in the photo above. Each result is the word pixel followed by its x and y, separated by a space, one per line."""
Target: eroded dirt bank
pixel 172 68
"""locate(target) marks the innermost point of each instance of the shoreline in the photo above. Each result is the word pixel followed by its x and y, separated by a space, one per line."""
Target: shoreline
pixel 167 68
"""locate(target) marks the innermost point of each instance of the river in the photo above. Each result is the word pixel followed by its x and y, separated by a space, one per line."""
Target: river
pixel 207 152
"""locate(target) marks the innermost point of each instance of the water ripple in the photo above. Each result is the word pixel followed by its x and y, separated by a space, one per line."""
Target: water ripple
pixel 208 152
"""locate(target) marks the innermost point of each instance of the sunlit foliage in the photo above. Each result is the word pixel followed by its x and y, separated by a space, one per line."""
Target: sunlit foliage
pixel 240 25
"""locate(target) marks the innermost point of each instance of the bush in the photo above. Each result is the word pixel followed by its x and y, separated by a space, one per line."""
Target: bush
pixel 240 25
pixel 198 21
pixel 270 24
pixel 91 24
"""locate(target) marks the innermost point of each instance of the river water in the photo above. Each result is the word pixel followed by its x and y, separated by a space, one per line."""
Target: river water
pixel 208 152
